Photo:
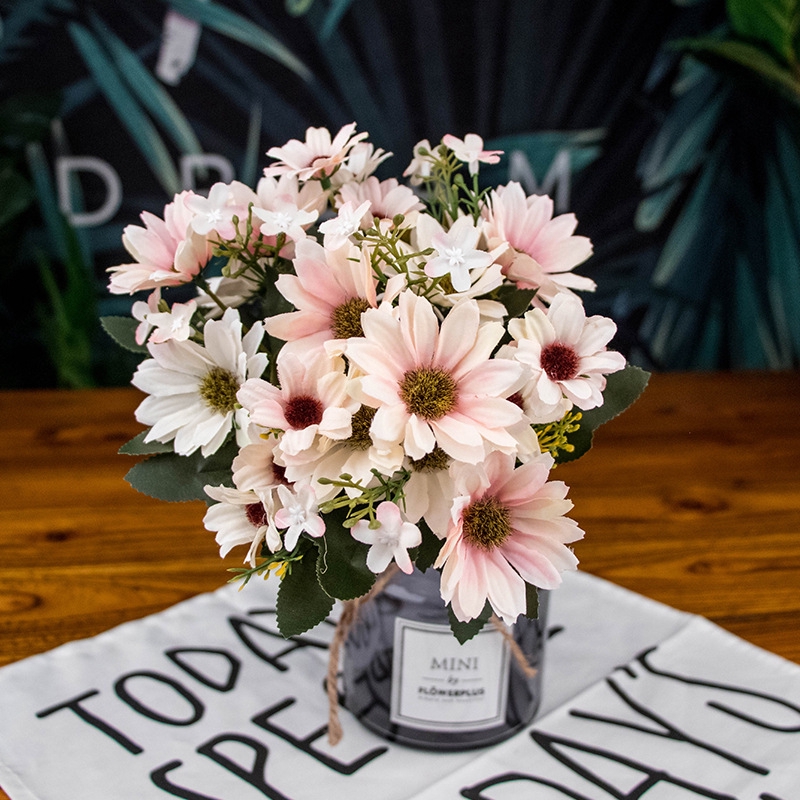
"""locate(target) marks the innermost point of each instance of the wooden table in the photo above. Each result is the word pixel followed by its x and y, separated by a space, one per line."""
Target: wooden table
pixel 692 497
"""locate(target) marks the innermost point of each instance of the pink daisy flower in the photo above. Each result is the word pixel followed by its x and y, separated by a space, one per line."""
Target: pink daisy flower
pixel 311 404
pixel 544 248
pixel 566 353
pixel 387 199
pixel 434 385
pixel 317 157
pixel 166 251
pixel 329 292
pixel 507 529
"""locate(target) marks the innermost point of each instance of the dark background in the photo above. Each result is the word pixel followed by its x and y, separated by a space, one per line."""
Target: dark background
pixel 684 158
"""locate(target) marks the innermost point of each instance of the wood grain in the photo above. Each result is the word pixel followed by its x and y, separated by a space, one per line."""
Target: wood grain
pixel 692 497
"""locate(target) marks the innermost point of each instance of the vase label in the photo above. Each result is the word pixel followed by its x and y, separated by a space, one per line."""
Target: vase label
pixel 439 684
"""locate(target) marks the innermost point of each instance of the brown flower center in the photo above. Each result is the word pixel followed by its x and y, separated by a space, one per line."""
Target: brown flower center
pixel 559 361
pixel 486 523
pixel 360 439
pixel 434 461
pixel 428 392
pixel 218 390
pixel 302 411
pixel 346 318
pixel 256 514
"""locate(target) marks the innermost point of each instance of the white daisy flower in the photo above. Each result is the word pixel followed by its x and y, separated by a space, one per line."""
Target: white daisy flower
pixel 192 388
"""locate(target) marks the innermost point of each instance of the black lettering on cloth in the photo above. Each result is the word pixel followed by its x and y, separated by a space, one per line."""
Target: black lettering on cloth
pixel 555 746
pixel 668 731
pixel 159 778
pixel 262 719
pixel 242 628
pixel 124 695
pixel 176 655
pixel 734 690
pixel 75 705
pixel 476 792
pixel 255 774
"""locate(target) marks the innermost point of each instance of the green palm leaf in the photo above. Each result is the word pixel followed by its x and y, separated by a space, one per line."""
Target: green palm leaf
pixel 130 113
pixel 20 19
pixel 774 22
pixel 150 93
pixel 242 30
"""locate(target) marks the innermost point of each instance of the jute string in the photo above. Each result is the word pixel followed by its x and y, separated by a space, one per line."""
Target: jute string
pixel 346 621
pixel 349 615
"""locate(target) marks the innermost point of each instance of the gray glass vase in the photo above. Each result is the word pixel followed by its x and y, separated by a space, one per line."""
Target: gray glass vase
pixel 406 677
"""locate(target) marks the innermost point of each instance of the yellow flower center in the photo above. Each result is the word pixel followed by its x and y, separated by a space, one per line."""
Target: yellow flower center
pixel 218 390
pixel 428 392
pixel 486 523
pixel 346 318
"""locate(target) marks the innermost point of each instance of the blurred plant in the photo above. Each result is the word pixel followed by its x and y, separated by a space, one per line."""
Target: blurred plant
pixel 64 306
pixel 722 178
pixel 540 84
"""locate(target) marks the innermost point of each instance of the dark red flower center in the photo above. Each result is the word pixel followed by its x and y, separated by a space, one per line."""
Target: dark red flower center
pixel 302 411
pixel 559 361
pixel 256 515
pixel 518 400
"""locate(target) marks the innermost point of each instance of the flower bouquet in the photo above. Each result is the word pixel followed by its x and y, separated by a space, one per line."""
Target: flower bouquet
pixel 362 374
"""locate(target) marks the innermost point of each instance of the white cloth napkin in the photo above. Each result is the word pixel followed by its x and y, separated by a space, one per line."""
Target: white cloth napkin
pixel 205 701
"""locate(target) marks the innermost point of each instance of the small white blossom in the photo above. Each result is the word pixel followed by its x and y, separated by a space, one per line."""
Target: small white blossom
pixel 390 541
pixel 339 229
pixel 470 151
pixel 457 254
pixel 173 324
pixel 300 514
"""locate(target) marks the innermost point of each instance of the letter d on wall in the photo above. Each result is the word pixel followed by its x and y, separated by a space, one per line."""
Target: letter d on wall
pixel 65 165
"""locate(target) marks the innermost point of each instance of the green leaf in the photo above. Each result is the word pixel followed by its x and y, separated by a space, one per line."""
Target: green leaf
pixel 428 551
pixel 652 210
pixel 150 92
pixel 464 631
pixel 516 301
pixel 127 109
pixel 248 174
pixel 335 13
pixel 302 603
pixel 123 331
pixel 242 30
pixel 622 390
pixel 690 227
pixel 748 60
pixel 66 337
pixel 296 8
pixel 774 22
pixel 531 602
pixel 174 478
pixel 16 193
pixel 682 140
pixel 138 447
pixel 342 564
pixel 26 117
pixel 46 198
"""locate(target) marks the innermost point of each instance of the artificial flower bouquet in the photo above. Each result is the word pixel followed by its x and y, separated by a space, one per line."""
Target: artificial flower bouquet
pixel 361 373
